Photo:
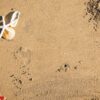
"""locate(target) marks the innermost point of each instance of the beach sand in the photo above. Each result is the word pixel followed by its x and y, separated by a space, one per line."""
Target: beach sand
pixel 54 55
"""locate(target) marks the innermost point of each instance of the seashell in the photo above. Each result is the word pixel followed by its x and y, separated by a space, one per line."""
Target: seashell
pixel 9 33
pixel 7 24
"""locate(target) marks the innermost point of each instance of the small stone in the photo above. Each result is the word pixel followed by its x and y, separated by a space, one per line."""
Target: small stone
pixel 20 81
pixel 75 67
pixel 12 75
pixel 30 79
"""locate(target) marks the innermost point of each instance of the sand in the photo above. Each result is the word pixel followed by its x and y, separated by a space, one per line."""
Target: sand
pixel 54 55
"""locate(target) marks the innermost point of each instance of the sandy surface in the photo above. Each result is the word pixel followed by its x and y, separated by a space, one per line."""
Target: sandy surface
pixel 55 54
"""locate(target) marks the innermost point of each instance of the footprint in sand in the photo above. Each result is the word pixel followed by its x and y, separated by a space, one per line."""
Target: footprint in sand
pixel 19 79
pixel 17 82
pixel 23 74
pixel 23 56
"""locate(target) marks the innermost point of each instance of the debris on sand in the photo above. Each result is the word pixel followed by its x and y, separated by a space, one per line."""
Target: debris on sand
pixel 30 79
pixel 75 67
pixel 93 10
pixel 64 67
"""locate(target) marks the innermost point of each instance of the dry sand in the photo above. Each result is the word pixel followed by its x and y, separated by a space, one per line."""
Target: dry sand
pixel 55 54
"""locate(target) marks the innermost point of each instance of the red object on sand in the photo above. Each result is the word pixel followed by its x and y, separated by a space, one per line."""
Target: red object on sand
pixel 1 97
